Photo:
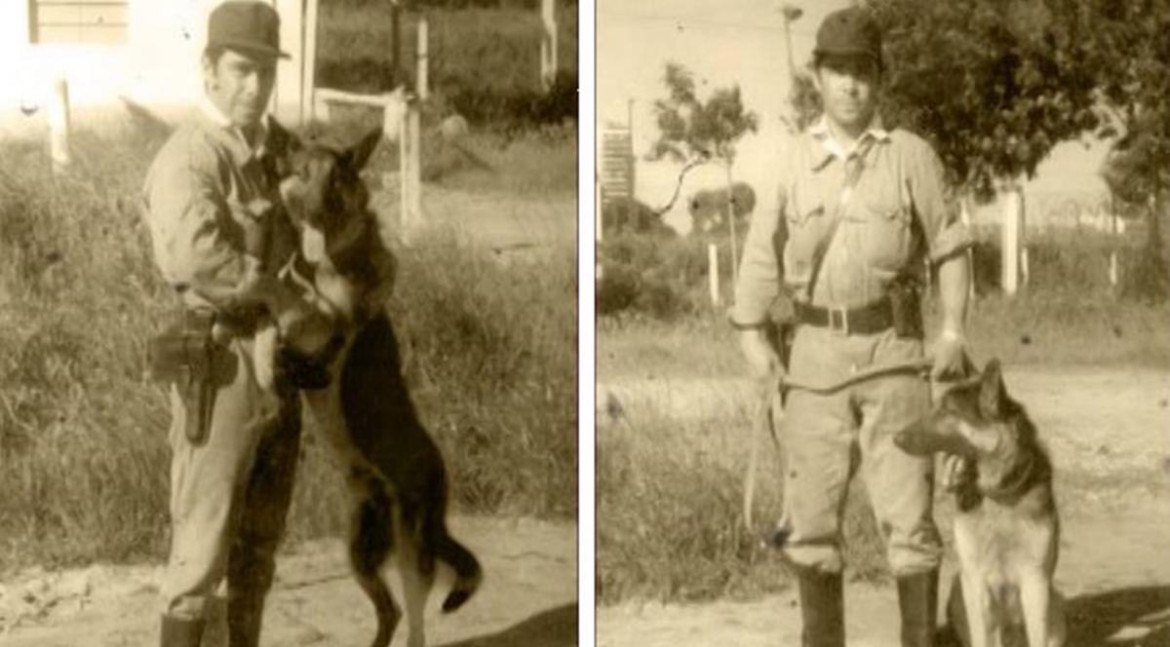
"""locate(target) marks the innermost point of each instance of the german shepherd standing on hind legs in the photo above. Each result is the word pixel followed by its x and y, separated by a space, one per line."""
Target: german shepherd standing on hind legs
pixel 395 472
pixel 1007 532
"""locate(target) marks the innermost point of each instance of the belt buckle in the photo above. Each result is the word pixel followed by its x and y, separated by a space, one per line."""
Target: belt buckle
pixel 839 320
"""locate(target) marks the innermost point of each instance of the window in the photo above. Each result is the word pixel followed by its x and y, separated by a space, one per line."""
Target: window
pixel 101 22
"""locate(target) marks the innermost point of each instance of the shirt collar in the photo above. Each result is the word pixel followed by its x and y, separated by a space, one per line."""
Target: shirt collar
pixel 829 148
pixel 240 145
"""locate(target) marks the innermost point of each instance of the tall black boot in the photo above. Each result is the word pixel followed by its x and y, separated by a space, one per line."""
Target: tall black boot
pixel 822 608
pixel 918 602
pixel 180 632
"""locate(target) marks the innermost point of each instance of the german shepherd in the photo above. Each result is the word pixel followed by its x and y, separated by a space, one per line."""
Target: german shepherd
pixel 1007 532
pixel 394 470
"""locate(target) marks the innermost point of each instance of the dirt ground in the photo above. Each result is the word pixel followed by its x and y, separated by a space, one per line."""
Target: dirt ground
pixel 1108 432
pixel 528 597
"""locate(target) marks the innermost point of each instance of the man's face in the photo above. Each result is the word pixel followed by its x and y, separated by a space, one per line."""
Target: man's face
pixel 240 85
pixel 848 87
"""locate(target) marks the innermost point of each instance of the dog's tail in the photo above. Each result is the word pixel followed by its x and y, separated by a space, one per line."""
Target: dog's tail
pixel 468 573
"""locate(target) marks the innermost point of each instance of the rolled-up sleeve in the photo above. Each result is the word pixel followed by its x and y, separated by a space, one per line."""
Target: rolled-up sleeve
pixel 936 204
pixel 759 276
pixel 186 214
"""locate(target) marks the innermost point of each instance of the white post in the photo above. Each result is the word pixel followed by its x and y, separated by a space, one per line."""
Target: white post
pixel 310 63
pixel 423 64
pixel 289 94
pixel 1113 274
pixel 1010 239
pixel 409 168
pixel 713 272
pixel 548 42
pixel 59 150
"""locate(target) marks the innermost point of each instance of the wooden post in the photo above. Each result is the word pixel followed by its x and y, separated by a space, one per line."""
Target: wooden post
pixel 309 83
pixel 1113 273
pixel 396 45
pixel 59 127
pixel 288 97
pixel 1010 240
pixel 421 81
pixel 713 272
pixel 409 168
pixel 548 42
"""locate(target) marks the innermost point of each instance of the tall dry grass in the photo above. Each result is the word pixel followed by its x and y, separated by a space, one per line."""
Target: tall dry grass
pixel 490 354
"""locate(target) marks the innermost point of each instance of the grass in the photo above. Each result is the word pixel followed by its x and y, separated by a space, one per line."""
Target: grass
pixel 490 352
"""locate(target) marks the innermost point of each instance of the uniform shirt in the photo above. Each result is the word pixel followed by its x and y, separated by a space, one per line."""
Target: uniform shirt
pixel 195 190
pixel 899 210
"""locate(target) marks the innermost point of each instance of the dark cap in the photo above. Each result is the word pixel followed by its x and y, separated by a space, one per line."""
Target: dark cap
pixel 246 25
pixel 851 31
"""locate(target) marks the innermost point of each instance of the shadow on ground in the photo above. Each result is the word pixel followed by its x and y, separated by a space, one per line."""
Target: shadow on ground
pixel 552 628
pixel 1133 617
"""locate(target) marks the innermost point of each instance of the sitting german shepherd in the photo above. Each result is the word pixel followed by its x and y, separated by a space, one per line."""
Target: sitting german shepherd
pixel 1007 532
pixel 394 470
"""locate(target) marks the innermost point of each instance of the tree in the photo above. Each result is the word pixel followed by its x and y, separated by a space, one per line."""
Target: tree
pixel 994 84
pixel 1130 48
pixel 695 132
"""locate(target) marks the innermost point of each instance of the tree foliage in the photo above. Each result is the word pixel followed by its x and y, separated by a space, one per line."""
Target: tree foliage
pixel 995 84
pixel 693 130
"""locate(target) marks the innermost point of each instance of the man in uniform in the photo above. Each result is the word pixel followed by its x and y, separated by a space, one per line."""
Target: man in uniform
pixel 231 478
pixel 861 207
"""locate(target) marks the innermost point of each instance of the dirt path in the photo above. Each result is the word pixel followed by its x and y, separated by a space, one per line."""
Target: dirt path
pixel 1109 435
pixel 528 597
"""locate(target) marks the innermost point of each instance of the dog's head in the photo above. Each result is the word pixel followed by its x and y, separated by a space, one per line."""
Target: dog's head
pixel 973 419
pixel 325 196
pixel 329 204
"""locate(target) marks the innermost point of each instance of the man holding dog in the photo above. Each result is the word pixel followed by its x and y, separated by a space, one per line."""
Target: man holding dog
pixel 210 189
pixel 861 208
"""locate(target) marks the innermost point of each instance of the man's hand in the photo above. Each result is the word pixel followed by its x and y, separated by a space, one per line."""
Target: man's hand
pixel 956 471
pixel 761 357
pixel 949 357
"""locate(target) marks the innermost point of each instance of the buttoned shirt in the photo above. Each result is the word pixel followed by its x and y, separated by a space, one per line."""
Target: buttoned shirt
pixel 195 191
pixel 896 212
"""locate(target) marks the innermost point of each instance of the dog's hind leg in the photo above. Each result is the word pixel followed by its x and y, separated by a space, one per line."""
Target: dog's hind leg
pixel 416 565
pixel 370 544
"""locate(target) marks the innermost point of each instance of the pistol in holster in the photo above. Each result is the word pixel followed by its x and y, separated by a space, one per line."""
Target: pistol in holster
pixel 185 355
pixel 905 294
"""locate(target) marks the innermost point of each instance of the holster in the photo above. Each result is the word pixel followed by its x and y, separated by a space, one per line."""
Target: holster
pixel 185 355
pixel 905 296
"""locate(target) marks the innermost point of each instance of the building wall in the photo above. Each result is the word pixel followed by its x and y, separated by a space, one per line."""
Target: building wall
pixel 157 67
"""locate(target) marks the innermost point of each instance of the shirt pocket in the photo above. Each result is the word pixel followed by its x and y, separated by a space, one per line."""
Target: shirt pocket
pixel 806 224
pixel 884 228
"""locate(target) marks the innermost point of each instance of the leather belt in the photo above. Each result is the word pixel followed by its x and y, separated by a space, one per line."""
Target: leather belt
pixel 865 320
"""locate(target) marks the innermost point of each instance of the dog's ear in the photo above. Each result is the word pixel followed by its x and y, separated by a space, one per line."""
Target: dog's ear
pixel 991 390
pixel 357 156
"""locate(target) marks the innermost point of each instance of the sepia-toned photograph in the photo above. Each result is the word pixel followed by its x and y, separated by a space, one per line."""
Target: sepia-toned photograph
pixel 883 332
pixel 288 323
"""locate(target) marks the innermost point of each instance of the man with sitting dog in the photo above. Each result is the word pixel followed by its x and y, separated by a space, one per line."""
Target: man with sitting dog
pixel 861 208
pixel 213 207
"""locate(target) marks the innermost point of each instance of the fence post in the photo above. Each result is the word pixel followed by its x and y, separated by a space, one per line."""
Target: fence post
pixel 59 127
pixel 409 168
pixel 422 82
pixel 713 272
pixel 548 42
pixel 965 216
pixel 1010 237
pixel 309 70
